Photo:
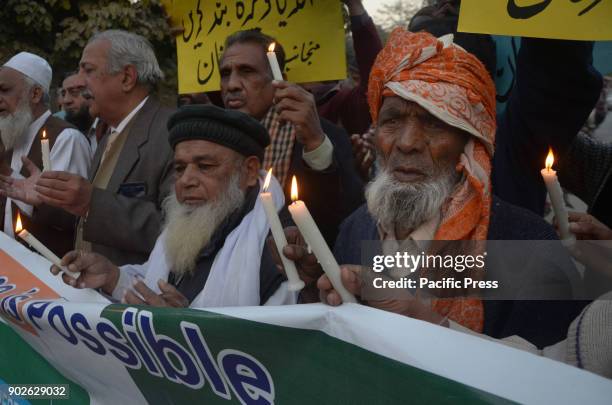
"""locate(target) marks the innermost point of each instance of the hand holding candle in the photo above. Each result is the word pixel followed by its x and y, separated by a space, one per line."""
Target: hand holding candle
pixel 309 230
pixel 276 71
pixel 295 283
pixel 44 147
pixel 556 197
pixel 39 247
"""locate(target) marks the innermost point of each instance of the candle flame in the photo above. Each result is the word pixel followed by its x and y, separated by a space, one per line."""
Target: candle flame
pixel 267 181
pixel 18 225
pixel 550 159
pixel 44 134
pixel 271 47
pixel 294 189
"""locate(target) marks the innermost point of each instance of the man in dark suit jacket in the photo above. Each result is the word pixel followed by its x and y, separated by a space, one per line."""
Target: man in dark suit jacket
pixel 432 197
pixel 318 153
pixel 119 206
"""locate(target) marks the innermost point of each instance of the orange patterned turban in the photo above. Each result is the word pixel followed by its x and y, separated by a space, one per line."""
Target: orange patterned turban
pixel 441 77
pixel 455 87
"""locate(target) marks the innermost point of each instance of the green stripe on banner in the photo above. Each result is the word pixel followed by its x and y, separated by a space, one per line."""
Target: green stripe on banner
pixel 20 364
pixel 322 369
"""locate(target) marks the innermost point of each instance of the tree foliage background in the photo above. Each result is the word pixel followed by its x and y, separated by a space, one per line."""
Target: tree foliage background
pixel 58 30
pixel 399 12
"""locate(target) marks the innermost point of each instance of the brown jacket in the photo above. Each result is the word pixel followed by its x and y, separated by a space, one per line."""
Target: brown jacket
pixel 125 219
pixel 52 227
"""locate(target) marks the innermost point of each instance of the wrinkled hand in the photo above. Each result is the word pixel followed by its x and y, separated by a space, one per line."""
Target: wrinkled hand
pixel 587 227
pixel 363 150
pixel 22 189
pixel 296 105
pixel 409 306
pixel 595 255
pixel 143 295
pixel 594 246
pixel 64 190
pixel 306 263
pixel 96 271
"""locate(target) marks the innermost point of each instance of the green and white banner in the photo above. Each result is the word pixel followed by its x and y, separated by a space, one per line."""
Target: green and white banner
pixel 302 354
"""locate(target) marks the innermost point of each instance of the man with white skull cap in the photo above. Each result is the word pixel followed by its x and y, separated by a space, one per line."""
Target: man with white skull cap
pixel 24 115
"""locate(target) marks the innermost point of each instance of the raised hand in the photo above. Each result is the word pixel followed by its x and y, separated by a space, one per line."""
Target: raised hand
pixel 64 190
pixel 296 105
pixel 22 189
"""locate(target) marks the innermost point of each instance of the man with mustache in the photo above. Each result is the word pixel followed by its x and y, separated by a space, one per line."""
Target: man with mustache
pixel 119 203
pixel 76 103
pixel 318 153
pixel 24 115
pixel 434 108
pixel 212 249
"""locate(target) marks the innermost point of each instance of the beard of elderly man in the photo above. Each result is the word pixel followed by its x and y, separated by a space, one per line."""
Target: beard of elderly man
pixel 24 118
pixel 13 125
pixel 17 93
pixel 402 206
pixel 418 154
pixel 189 227
pixel 212 249
pixel 434 108
pixel 200 203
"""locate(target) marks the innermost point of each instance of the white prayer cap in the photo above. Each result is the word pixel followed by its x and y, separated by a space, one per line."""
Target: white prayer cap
pixel 33 66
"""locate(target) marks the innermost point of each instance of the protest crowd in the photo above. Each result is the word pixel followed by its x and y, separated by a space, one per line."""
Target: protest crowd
pixel 164 206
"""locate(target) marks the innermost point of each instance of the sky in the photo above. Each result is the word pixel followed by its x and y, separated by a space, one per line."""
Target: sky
pixel 373 5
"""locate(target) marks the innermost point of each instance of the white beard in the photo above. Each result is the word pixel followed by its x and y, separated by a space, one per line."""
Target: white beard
pixel 188 229
pixel 402 207
pixel 13 126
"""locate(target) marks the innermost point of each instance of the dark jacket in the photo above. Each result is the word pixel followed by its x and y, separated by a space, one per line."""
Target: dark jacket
pixel 586 170
pixel 540 322
pixel 556 88
pixel 125 219
pixel 348 107
pixel 53 227
pixel 330 195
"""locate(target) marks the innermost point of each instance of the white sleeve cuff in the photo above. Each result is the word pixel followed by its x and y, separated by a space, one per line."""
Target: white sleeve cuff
pixel 320 158
pixel 127 274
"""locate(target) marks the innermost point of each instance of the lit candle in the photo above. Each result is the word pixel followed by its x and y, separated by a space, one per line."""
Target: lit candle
pixel 295 283
pixel 556 197
pixel 44 146
pixel 276 72
pixel 309 230
pixel 39 247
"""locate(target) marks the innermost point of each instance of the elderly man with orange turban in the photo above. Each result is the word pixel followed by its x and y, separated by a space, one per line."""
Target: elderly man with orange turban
pixel 434 108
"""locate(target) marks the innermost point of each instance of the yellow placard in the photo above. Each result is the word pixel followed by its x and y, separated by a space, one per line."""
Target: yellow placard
pixel 560 19
pixel 310 31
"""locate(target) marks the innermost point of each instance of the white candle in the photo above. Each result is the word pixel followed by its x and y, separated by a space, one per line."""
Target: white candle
pixel 309 230
pixel 44 147
pixel 556 197
pixel 295 283
pixel 40 248
pixel 276 72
